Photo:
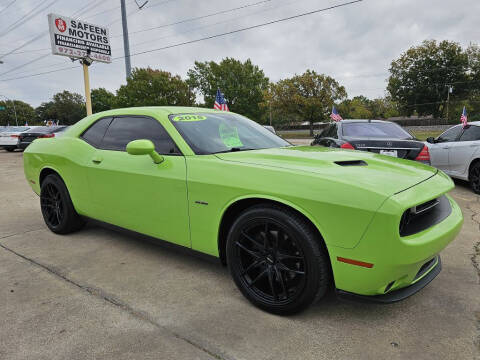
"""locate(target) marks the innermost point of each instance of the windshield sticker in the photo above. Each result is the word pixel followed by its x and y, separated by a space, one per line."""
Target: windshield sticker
pixel 229 136
pixel 189 118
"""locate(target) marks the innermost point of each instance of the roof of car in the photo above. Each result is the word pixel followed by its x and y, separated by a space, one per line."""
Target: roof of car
pixel 363 120
pixel 163 110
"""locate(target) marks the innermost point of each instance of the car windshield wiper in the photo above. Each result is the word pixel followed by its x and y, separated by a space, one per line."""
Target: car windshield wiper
pixel 233 149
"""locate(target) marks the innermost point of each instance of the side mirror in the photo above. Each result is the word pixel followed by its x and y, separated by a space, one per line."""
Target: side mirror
pixel 431 140
pixel 144 147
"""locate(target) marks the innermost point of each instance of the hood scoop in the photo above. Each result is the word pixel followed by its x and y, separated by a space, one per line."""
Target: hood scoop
pixel 351 163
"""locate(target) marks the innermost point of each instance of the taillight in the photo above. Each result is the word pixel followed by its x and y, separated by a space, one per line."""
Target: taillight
pixel 347 145
pixel 424 155
pixel 47 135
pixel 15 136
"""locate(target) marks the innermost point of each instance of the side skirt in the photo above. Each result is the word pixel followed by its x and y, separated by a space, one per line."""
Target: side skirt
pixel 162 243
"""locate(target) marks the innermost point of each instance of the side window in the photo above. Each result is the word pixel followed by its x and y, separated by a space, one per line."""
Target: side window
pixel 330 131
pixel 122 130
pixel 450 135
pixel 471 133
pixel 94 134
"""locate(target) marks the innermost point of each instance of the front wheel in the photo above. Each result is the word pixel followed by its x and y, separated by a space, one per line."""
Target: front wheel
pixel 277 260
pixel 57 208
pixel 10 149
pixel 474 177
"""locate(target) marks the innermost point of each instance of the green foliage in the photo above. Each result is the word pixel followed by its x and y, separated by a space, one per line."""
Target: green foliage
pixel 149 87
pixel 65 107
pixel 308 97
pixel 102 100
pixel 362 108
pixel 242 83
pixel 421 74
pixel 25 113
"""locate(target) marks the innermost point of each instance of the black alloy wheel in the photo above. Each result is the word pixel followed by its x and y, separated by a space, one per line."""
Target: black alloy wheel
pixel 52 205
pixel 277 260
pixel 57 208
pixel 474 177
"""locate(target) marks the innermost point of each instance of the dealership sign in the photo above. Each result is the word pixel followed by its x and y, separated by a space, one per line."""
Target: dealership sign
pixel 73 38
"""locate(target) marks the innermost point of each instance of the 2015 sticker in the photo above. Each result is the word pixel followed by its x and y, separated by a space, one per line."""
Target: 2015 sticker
pixel 189 118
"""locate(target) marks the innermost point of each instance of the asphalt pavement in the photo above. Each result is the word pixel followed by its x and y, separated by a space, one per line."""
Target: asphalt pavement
pixel 101 294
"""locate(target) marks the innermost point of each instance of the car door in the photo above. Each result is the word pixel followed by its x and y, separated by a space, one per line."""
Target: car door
pixel 439 150
pixel 133 192
pixel 461 151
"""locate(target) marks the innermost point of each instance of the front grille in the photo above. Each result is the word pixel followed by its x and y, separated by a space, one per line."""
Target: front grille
pixel 424 216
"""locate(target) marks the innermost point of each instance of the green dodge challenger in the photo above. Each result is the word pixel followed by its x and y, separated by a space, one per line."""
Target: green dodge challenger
pixel 289 221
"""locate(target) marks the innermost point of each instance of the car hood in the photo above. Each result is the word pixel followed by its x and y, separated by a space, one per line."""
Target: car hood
pixel 378 173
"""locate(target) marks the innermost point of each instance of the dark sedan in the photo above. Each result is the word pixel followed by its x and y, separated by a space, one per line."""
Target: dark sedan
pixel 26 138
pixel 383 137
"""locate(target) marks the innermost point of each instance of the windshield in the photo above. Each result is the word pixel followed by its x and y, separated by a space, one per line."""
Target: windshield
pixel 374 130
pixel 210 133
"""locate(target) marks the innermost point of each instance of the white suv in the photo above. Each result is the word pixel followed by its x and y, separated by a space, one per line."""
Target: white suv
pixel 457 153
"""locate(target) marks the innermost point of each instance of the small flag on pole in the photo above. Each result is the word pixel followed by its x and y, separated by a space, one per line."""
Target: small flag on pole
pixel 463 117
pixel 220 103
pixel 335 116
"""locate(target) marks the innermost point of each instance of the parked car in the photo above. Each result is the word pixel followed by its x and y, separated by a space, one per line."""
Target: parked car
pixel 289 221
pixel 377 136
pixel 26 137
pixel 457 152
pixel 9 137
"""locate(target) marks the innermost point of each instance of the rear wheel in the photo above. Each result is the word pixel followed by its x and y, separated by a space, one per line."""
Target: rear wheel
pixel 57 208
pixel 276 259
pixel 474 177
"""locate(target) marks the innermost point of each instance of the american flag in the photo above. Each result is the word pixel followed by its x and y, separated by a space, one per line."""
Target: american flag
pixel 220 103
pixel 463 118
pixel 335 116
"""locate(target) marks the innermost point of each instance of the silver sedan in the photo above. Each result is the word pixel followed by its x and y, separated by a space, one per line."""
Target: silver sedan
pixel 457 152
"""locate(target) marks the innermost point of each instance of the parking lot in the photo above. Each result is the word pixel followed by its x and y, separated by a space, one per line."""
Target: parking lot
pixel 103 294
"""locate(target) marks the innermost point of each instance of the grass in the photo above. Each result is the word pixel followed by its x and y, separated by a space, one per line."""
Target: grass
pixel 423 135
pixel 304 134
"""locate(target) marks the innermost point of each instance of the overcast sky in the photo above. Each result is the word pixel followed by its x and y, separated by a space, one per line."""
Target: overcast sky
pixel 355 44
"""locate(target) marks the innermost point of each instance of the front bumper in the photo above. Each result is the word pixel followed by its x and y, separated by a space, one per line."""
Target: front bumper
pixel 397 295
pixel 395 260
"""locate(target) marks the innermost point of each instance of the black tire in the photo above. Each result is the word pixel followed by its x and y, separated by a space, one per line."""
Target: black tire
pixel 474 177
pixel 57 208
pixel 296 271
pixel 9 149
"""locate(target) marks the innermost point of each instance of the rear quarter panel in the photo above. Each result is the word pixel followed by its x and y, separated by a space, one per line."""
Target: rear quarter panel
pixel 66 156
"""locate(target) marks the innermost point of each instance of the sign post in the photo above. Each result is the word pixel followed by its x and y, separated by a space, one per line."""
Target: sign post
pixel 80 40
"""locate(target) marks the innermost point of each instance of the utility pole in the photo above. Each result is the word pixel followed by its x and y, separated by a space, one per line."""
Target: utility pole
pixel 126 44
pixel 449 90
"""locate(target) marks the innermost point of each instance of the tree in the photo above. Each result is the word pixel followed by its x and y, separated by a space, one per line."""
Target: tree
pixel 25 113
pixel 149 87
pixel 65 107
pixel 241 82
pixel 419 78
pixel 308 97
pixel 357 108
pixel 102 100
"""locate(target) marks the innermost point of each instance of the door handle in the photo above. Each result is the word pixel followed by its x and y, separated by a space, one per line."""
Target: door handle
pixel 97 160
pixel 446 147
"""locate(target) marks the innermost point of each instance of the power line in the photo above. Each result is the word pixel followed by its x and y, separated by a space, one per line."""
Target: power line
pixel 247 28
pixel 6 7
pixel 196 18
pixel 31 14
pixel 214 24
